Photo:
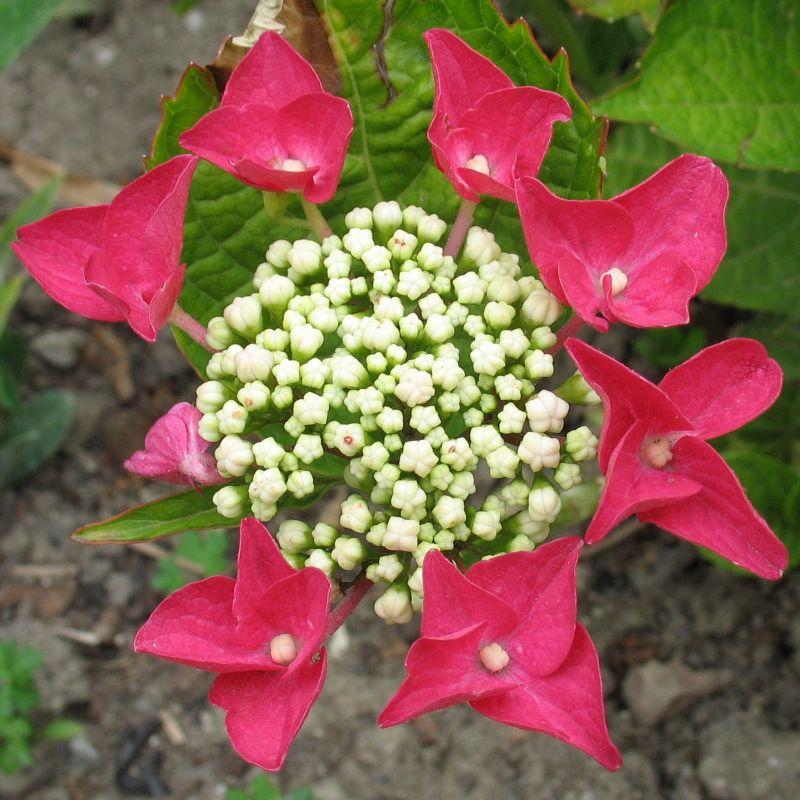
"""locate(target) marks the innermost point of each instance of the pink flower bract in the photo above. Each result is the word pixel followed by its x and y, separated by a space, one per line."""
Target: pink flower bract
pixel 174 451
pixel 504 639
pixel 230 627
pixel 276 128
pixel 638 258
pixel 119 262
pixel 656 460
pixel 480 116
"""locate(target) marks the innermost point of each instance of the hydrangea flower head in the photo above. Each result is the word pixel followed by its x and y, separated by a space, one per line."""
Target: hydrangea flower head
pixel 276 129
pixel 263 633
pixel 485 131
pixel 119 262
pixel 656 460
pixel 638 258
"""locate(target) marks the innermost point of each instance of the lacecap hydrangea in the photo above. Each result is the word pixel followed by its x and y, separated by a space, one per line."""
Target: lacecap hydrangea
pixel 375 358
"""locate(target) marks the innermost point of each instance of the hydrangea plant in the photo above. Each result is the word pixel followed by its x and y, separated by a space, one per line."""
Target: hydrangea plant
pixel 411 356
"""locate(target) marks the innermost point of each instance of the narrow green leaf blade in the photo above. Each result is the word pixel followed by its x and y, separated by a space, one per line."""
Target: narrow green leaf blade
pixel 34 434
pixel 169 515
pixel 20 24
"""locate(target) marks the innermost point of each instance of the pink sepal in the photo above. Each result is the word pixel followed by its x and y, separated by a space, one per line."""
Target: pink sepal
pixel 174 451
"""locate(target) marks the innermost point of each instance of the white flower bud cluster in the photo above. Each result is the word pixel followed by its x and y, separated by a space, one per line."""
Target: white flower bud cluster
pixel 376 359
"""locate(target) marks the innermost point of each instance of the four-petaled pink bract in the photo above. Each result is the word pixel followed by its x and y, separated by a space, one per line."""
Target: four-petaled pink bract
pixel 276 129
pixel 504 638
pixel 119 262
pixel 263 633
pixel 655 458
pixel 486 132
pixel 174 451
pixel 638 258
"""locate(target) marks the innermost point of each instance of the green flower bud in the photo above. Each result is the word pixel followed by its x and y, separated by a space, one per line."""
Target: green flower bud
pixel 431 228
pixel 323 534
pixel 230 501
pixel 219 335
pixel 243 315
pixel 211 396
pixel 300 483
pixel 305 257
pixel 359 218
pixel 568 475
pixel 294 536
pixel 581 444
pixel 275 293
pixel 407 497
pixel 357 241
pixel 502 462
pixel 462 485
pixel 308 448
pixel 544 503
pixel 277 252
pixel 449 511
pixel 282 397
pixel 387 216
pixel 321 560
pixel 394 605
pixel 348 552
pixel 486 525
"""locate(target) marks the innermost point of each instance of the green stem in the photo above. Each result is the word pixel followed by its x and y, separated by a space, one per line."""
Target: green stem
pixel 316 220
pixel 188 324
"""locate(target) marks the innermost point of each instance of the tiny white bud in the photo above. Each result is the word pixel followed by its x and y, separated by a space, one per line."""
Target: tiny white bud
pixel 546 412
pixel 276 253
pixel 485 439
pixel 232 418
pixel 234 455
pixel 402 244
pixel 487 358
pixel 511 419
pixel 486 525
pixel 305 257
pixel 254 363
pixel 387 216
pixel 308 448
pixel 243 315
pixel 275 293
pixel 286 372
pixel 348 552
pixel 254 396
pixel 470 288
pixel 449 511
pixel 502 462
pixel 321 560
pixel 394 605
pixel 283 649
pixel 431 228
pixel 359 218
pixel 541 308
pixel 218 335
pixel 211 396
pixel 581 444
pixel 357 241
pixel 418 457
pixel 355 514
pixel 538 365
pixel 389 568
pixel 229 501
pixel 208 428
pixel 377 258
pixel 619 280
pixel 544 503
pixel 414 388
pixel 539 451
pixel 294 536
pixel 568 475
pixel 300 483
pixel 267 485
pixel 543 338
pixel 401 534
pixel 413 283
pixel 457 454
pixel 480 247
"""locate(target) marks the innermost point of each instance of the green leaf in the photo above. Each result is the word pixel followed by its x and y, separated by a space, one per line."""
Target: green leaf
pixel 611 10
pixel 208 550
pixel 33 207
pixel 169 515
pixel 227 226
pixel 173 514
pixel 721 79
pixel 195 96
pixel 181 7
pixel 9 294
pixel 33 434
pixel 62 730
pixel 20 24
pixel 763 223
pixel 774 489
pixel 668 347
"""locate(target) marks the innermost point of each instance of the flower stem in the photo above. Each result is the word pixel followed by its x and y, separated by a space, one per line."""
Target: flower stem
pixel 347 605
pixel 569 328
pixel 316 221
pixel 460 227
pixel 188 324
